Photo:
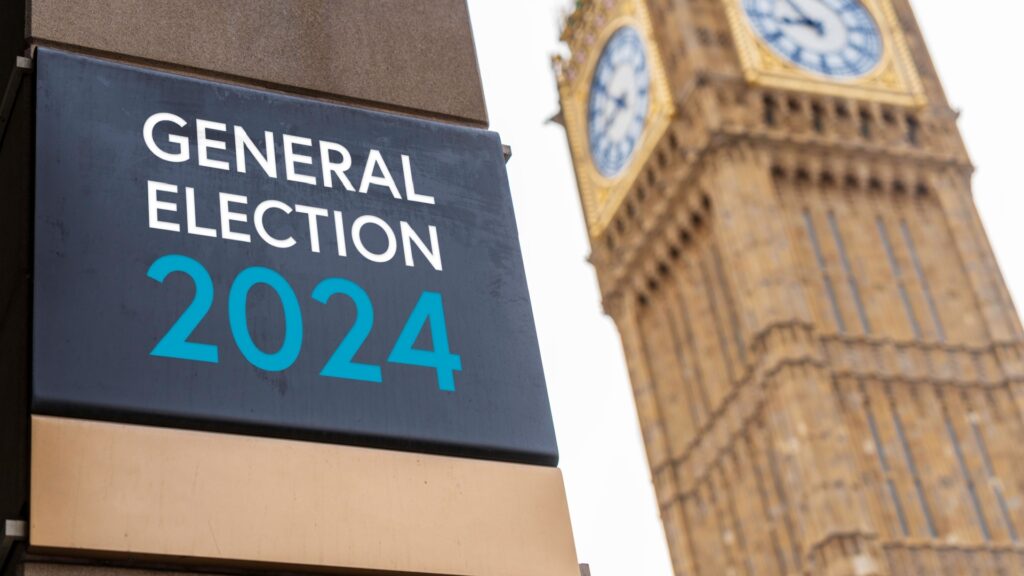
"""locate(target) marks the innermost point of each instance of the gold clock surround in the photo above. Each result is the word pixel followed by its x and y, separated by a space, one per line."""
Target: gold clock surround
pixel 894 80
pixel 601 196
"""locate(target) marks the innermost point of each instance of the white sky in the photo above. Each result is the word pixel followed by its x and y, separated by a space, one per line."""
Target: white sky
pixel 614 515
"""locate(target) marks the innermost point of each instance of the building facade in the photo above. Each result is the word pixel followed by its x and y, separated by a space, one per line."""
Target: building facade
pixel 826 362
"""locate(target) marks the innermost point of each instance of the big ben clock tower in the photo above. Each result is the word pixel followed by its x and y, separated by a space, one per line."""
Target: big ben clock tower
pixel 827 365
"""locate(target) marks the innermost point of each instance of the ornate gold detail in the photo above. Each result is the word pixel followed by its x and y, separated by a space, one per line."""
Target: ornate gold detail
pixel 894 80
pixel 601 196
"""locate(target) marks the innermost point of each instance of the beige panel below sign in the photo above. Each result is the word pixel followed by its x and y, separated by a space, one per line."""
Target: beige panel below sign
pixel 127 490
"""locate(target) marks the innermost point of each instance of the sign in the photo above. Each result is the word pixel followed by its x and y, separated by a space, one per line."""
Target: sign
pixel 216 257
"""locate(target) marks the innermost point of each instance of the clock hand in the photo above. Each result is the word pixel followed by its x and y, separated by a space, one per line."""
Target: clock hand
pixel 804 18
pixel 617 103
pixel 796 8
pixel 805 22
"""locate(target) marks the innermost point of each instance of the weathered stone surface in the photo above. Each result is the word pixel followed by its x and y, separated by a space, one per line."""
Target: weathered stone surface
pixel 412 56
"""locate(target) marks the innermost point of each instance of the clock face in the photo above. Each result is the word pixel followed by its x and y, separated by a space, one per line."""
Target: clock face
pixel 618 103
pixel 835 38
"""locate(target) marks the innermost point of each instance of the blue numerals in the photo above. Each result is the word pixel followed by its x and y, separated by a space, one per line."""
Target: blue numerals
pixel 340 364
pixel 175 343
pixel 429 309
pixel 237 299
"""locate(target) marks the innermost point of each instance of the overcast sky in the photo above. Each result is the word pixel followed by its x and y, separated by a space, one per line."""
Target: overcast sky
pixel 614 515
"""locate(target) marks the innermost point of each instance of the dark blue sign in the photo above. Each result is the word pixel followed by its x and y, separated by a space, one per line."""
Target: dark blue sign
pixel 216 257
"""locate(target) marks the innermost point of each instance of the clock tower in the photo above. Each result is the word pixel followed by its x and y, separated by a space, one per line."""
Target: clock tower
pixel 826 362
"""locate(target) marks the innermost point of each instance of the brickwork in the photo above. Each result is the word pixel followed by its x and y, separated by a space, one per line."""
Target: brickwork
pixel 828 368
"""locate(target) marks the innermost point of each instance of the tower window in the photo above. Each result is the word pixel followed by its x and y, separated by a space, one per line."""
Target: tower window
pixel 965 472
pixel 913 130
pixel 883 460
pixel 993 477
pixel 851 279
pixel 823 268
pixel 770 110
pixel 818 117
pixel 865 124
pixel 908 457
